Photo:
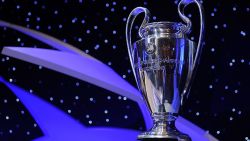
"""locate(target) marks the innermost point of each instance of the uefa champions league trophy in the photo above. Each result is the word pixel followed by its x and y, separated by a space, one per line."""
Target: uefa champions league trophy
pixel 164 61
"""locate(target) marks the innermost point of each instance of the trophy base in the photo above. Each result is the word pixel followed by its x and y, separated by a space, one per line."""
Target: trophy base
pixel 164 130
pixel 147 136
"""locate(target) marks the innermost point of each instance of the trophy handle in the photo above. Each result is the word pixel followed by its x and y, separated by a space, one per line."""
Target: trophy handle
pixel 181 7
pixel 130 21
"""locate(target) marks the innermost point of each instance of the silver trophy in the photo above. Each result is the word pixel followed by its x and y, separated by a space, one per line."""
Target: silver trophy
pixel 164 61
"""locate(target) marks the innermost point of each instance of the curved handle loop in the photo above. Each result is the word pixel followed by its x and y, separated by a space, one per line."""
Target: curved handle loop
pixel 181 7
pixel 129 25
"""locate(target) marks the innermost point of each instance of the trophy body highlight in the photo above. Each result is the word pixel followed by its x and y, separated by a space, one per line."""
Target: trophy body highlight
pixel 163 63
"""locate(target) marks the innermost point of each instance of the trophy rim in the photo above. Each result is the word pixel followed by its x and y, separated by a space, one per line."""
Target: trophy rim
pixel 162 27
pixel 165 22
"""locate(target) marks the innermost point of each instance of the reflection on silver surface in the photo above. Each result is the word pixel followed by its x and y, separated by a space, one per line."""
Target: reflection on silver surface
pixel 162 74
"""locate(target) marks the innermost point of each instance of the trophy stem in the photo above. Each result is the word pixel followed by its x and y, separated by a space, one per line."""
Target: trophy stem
pixel 164 129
